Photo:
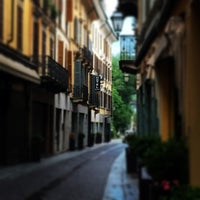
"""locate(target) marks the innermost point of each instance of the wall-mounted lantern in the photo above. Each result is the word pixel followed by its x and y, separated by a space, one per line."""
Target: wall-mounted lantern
pixel 117 21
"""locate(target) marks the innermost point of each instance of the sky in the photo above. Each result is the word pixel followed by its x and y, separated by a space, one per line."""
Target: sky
pixel 110 7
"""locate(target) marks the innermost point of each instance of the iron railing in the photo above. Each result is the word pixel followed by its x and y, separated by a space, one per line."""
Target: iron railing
pixel 54 75
pixel 87 54
pixel 94 99
pixel 80 92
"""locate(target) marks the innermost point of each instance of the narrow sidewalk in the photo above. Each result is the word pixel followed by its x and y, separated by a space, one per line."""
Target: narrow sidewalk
pixel 120 185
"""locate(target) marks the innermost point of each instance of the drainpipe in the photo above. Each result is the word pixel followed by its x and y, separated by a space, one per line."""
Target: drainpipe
pixel 12 23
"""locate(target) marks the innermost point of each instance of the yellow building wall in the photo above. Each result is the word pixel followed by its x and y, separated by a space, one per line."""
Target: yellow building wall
pixel 79 12
pixel 28 28
pixel 192 95
pixel 7 21
pixel 28 20
pixel 166 106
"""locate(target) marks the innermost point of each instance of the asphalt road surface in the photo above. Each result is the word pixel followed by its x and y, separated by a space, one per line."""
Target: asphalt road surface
pixel 82 177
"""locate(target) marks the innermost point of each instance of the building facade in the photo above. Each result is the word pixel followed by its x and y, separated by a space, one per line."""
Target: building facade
pixel 167 61
pixel 46 66
pixel 103 37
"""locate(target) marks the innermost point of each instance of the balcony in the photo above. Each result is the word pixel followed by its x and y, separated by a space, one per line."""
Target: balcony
pixel 127 54
pixel 80 94
pixel 85 55
pixel 53 76
pixel 94 100
pixel 45 9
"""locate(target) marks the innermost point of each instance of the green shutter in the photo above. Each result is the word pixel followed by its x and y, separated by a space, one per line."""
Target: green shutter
pixel 77 78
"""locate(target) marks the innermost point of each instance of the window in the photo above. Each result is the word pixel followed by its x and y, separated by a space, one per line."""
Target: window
pixel 69 10
pixel 78 73
pixel 51 47
pixel 85 37
pixel 79 32
pixel 76 30
pixel 44 42
pixel 19 27
pixel 68 66
pixel 60 6
pixel 36 40
pixel 60 52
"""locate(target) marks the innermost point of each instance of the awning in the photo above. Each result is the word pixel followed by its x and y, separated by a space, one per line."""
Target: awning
pixel 19 70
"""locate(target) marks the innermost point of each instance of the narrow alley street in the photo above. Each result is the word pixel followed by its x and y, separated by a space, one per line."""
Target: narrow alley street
pixel 70 176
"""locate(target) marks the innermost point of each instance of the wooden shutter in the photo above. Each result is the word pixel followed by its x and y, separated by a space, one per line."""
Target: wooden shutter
pixel 43 42
pixel 60 5
pixel 69 9
pixel 66 58
pixel 51 47
pixel 77 79
pixel 36 40
pixel 60 52
pixel 19 27
pixel 68 66
pixel 78 72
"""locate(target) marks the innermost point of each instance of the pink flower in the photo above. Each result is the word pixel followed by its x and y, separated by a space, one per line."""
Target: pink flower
pixel 165 185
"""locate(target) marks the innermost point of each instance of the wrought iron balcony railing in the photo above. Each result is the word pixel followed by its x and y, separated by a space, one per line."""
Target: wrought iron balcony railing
pixel 85 55
pixel 94 99
pixel 80 93
pixel 53 76
pixel 127 54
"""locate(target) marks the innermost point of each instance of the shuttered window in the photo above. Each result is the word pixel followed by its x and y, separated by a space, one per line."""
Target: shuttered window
pixel 36 40
pixel 1 19
pixel 60 52
pixel 68 65
pixel 19 27
pixel 76 30
pixel 60 5
pixel 77 79
pixel 51 47
pixel 43 42
pixel 66 58
pixel 69 57
pixel 69 10
pixel 78 72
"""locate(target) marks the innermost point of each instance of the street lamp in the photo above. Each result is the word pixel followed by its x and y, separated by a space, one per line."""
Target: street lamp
pixel 117 21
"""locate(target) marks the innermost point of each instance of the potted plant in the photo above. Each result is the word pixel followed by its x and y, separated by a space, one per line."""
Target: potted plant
pixel 183 192
pixel 81 137
pixel 54 12
pixel 72 141
pixel 167 163
pixel 98 138
pixel 137 145
pixel 37 141
pixel 91 137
